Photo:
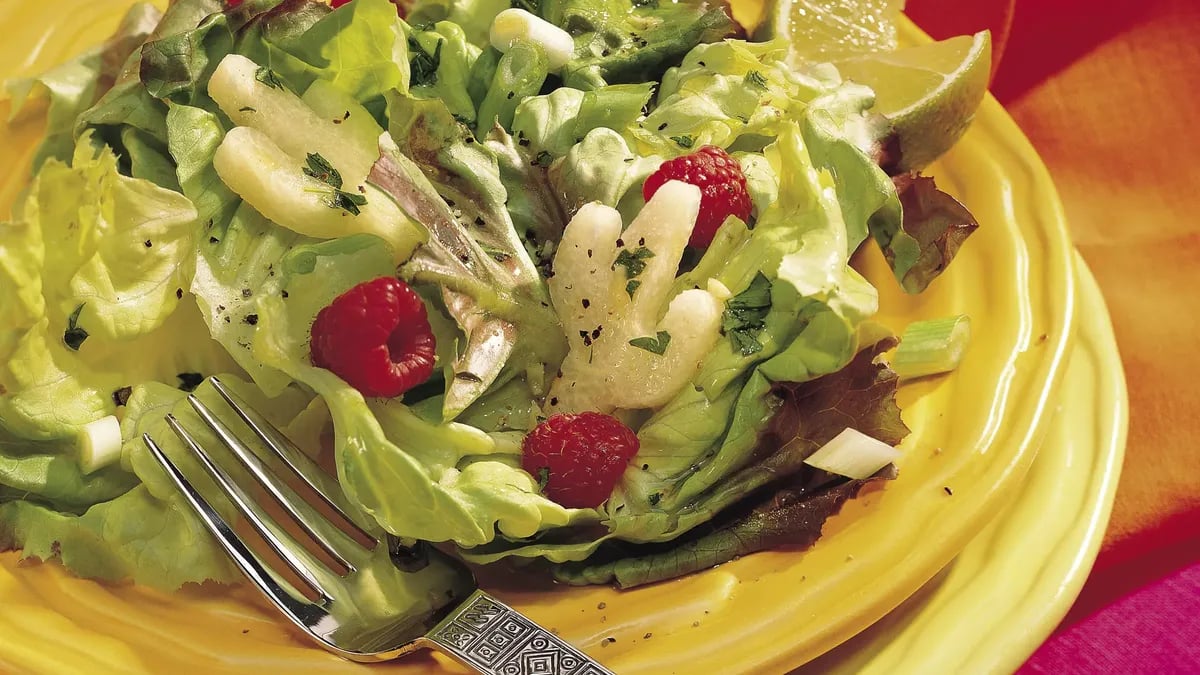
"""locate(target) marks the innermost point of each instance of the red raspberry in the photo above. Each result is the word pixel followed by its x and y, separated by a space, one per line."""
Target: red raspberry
pixel 376 337
pixel 580 457
pixel 722 189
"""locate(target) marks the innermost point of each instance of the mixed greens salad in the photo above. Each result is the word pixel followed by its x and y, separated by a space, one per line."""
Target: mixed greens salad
pixel 215 175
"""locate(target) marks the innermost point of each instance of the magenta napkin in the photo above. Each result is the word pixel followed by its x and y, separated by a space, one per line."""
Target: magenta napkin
pixel 1155 629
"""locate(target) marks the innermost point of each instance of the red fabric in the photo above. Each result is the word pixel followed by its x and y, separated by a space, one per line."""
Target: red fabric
pixel 1108 92
pixel 1152 631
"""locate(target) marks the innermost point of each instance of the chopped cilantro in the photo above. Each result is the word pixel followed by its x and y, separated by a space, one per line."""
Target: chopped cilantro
pixel 268 77
pixel 423 64
pixel 543 477
pixel 745 316
pixel 684 141
pixel 655 345
pixel 755 80
pixel 634 262
pixel 74 335
pixel 320 168
pixel 631 287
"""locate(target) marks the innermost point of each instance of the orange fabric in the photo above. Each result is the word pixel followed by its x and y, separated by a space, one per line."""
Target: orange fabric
pixel 1109 93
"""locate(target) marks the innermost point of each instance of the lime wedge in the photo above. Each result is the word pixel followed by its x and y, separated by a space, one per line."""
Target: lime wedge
pixel 929 93
pixel 832 30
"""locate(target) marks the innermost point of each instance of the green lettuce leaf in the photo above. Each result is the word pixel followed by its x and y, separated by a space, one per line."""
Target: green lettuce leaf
pixel 933 227
pixel 618 41
pixel 556 121
pixel 422 480
pixel 473 16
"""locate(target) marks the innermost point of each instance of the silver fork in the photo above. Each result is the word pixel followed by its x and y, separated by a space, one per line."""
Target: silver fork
pixel 478 631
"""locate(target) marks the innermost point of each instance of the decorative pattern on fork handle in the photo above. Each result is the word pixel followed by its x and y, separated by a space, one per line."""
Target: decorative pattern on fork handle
pixel 490 636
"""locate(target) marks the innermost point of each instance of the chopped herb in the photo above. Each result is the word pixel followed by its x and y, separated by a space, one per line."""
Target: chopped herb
pixel 649 4
pixel 654 345
pixel 755 80
pixel 246 109
pixel 684 141
pixel 543 477
pixel 346 201
pixel 746 314
pixel 655 498
pixel 320 168
pixel 121 396
pixel 189 381
pixel 543 158
pixel 423 64
pixel 74 335
pixel 268 77
pixel 634 261
pixel 631 287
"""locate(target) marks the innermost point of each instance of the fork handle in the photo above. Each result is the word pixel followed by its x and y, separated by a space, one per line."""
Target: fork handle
pixel 493 638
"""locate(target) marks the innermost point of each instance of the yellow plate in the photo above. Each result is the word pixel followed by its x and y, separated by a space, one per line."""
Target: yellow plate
pixel 975 432
pixel 1029 565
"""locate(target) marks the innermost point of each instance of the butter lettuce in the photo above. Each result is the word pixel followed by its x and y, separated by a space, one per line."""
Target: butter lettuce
pixel 416 478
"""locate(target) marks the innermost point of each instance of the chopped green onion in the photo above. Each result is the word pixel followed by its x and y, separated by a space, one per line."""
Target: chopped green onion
pixel 99 444
pixel 932 347
pixel 853 454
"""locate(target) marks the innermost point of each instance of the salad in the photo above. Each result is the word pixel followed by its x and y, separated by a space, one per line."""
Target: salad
pixel 564 283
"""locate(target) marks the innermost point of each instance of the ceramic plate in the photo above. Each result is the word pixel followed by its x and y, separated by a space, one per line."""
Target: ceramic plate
pixel 1029 565
pixel 975 432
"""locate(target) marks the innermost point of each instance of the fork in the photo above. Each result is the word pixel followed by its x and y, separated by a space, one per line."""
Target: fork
pixel 479 631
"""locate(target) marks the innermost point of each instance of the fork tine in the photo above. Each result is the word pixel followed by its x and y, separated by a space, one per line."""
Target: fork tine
pixel 297 610
pixel 251 512
pixel 287 452
pixel 303 514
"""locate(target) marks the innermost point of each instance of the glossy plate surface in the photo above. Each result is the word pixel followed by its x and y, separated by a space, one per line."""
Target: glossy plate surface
pixel 975 432
pixel 1030 563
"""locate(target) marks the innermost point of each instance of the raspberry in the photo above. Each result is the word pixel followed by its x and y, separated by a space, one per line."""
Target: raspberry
pixel 376 337
pixel 581 457
pixel 722 189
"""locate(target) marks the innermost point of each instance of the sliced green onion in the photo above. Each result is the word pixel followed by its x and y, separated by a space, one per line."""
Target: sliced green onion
pixel 853 454
pixel 99 444
pixel 932 347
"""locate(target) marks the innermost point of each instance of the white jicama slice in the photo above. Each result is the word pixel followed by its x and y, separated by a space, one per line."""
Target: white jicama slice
pixel 513 25
pixel 272 181
pixel 853 454
pixel 252 96
pixel 99 444
pixel 582 267
pixel 631 344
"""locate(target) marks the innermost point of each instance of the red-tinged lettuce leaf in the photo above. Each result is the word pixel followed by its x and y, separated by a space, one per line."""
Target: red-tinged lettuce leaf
pixel 934 226
pixel 861 396
pixel 789 511
pixel 789 518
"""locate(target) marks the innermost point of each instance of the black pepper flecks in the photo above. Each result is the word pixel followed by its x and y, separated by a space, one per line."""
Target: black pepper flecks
pixel 121 396
pixel 148 243
pixel 246 292
pixel 178 293
pixel 251 319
